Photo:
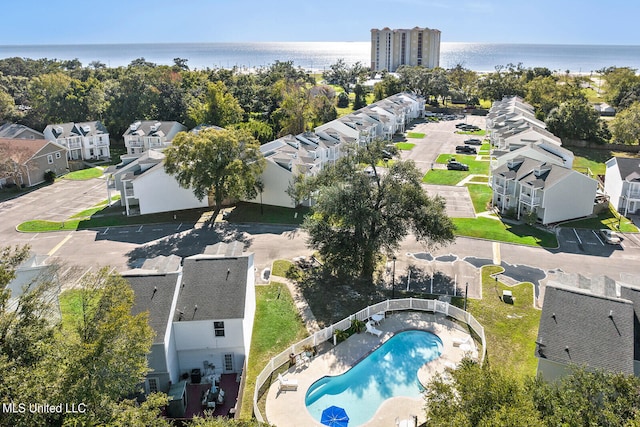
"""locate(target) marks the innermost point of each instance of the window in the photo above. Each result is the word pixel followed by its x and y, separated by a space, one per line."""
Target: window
pixel 49 158
pixel 228 362
pixel 58 155
pixel 218 329
pixel 152 385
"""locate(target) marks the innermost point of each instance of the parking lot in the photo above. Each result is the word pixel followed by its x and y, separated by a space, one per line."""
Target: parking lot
pixel 590 242
pixel 459 203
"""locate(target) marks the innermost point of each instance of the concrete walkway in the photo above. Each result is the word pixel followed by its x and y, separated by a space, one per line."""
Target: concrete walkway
pixel 288 409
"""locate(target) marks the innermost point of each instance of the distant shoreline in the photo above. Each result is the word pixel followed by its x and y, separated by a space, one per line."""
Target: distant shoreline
pixel 318 56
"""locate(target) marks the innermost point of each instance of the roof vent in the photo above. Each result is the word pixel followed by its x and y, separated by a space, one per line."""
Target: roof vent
pixel 135 126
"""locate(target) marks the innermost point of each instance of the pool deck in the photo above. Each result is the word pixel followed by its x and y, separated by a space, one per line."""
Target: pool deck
pixel 287 408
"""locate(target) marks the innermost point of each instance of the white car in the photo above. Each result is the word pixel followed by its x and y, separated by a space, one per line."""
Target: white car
pixel 610 237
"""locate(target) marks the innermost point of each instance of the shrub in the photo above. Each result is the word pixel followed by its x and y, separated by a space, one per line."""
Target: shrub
pixel 50 176
pixel 343 100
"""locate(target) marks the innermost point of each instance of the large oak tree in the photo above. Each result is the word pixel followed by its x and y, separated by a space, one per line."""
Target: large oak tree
pixel 216 163
pixel 359 214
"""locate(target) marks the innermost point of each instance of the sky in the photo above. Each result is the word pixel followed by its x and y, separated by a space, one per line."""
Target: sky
pixel 173 21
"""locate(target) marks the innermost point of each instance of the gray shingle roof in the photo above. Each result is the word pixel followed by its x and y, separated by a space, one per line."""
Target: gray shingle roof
pixel 629 168
pixel 213 287
pixel 579 327
pixel 153 293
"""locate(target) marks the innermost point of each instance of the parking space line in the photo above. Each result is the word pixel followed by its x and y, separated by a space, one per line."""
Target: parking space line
pixel 178 228
pixel 139 230
pixel 577 237
pixel 105 231
pixel 597 237
pixel 124 232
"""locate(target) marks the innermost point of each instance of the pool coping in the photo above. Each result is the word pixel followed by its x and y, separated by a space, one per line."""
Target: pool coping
pixel 287 408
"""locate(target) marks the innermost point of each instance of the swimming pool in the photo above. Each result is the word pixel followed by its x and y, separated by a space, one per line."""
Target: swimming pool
pixel 389 371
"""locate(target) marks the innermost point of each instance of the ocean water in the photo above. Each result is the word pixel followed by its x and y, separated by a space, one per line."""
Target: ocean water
pixel 320 55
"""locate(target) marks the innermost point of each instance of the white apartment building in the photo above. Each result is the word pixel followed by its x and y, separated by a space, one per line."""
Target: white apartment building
pixel 144 135
pixel 415 47
pixel 85 141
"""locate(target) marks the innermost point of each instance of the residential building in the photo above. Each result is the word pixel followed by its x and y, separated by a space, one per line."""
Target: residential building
pixel 145 135
pixel 414 47
pixel 592 326
pixel 622 184
pixel 16 131
pixel 146 188
pixel 25 161
pixel 310 152
pixel 85 141
pixel 202 312
pixel 554 192
pixel 537 150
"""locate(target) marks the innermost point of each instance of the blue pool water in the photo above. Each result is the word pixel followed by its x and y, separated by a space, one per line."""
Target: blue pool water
pixel 389 371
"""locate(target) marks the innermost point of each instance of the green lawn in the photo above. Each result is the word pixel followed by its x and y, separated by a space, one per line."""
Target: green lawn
pixel 479 179
pixel 485 148
pixel 595 159
pixel 491 229
pixel 477 167
pixel 72 223
pixel 608 219
pixel 277 326
pixel 416 135
pixel 251 212
pixel 444 177
pixel 511 330
pixel 481 132
pixel 480 196
pixel 406 146
pixel 280 267
pixel 84 174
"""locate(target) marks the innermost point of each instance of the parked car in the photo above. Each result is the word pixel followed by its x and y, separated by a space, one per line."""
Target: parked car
pixel 473 141
pixel 454 165
pixel 468 128
pixel 610 237
pixel 467 149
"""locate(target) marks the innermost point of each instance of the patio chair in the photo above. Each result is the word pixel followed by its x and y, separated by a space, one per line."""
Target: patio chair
pixel 286 383
pixel 457 342
pixel 373 330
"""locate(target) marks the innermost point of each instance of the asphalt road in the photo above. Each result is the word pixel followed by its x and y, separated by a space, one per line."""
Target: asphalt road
pixel 120 247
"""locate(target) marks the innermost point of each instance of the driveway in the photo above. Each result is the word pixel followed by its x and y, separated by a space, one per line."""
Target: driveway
pixel 459 203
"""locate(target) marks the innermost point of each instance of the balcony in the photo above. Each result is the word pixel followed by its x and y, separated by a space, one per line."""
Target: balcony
pixel 75 144
pixel 128 192
pixel 102 143
pixel 500 189
pixel 529 200
pixel 135 144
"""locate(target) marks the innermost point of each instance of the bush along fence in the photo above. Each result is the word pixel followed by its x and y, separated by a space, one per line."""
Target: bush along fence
pixel 280 362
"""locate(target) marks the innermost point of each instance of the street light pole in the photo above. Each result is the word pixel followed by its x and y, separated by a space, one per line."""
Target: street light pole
pixel 466 290
pixel 393 278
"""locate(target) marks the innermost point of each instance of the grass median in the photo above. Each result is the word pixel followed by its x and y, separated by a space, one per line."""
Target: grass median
pixel 494 229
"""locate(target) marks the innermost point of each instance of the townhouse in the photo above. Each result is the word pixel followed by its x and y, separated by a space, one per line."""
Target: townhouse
pixel 84 141
pixel 310 152
pixel 25 162
pixel 142 136
pixel 555 193
pixel 202 313
pixel 16 131
pixel 622 184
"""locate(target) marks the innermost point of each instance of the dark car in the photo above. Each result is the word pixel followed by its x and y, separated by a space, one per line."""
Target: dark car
pixel 454 165
pixel 466 149
pixel 473 141
pixel 468 128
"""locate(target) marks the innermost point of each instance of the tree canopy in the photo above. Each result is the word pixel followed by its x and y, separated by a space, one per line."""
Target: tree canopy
pixel 216 163
pixel 358 214
pixel 575 119
pixel 625 127
pixel 474 395
pixel 96 358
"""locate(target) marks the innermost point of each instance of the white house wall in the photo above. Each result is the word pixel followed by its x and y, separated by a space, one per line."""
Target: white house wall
pixel 573 197
pixel 276 181
pixel 195 342
pixel 157 364
pixel 250 306
pixel 613 184
pixel 158 191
